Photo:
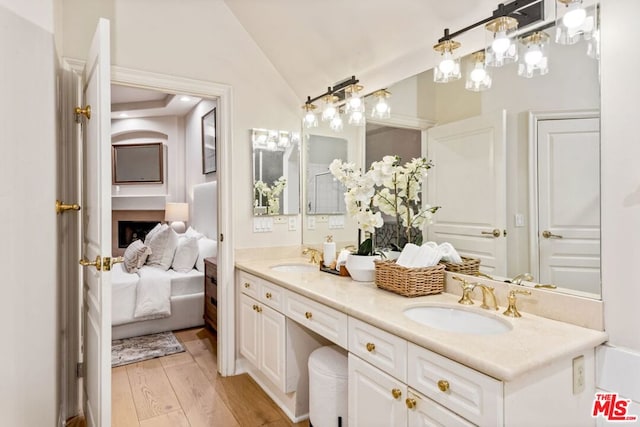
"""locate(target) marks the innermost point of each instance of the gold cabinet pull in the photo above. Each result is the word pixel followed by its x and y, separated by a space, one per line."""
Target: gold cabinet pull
pixel 247 285
pixel 411 403
pixel 254 307
pixel 308 315
pixel 495 232
pixel 63 207
pixel 370 347
pixel 443 385
pixel 396 393
pixel 259 309
pixel 97 263
pixel 549 235
pixel 268 295
pixel 79 111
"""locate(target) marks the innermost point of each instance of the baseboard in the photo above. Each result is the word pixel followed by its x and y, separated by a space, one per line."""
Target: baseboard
pixel 265 387
pixel 618 371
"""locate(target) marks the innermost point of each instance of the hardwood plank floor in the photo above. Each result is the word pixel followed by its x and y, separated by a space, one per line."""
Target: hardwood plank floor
pixel 185 390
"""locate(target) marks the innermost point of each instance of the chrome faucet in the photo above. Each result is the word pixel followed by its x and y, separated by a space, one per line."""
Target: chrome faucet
pixel 488 291
pixel 467 288
pixel 315 258
pixel 520 277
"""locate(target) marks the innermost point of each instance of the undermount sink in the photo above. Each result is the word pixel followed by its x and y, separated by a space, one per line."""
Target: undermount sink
pixel 454 319
pixel 295 268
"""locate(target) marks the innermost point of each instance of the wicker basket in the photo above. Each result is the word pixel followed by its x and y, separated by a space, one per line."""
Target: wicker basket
pixel 469 266
pixel 409 282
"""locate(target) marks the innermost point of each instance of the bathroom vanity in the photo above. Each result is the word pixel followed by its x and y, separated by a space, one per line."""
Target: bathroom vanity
pixel 530 371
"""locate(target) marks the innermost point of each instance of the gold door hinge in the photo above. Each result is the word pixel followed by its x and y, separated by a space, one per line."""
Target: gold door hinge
pixel 79 370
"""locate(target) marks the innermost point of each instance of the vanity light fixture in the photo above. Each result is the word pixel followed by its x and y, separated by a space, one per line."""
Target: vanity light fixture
pixel 448 69
pixel 310 119
pixel 533 55
pixel 478 76
pixel 573 23
pixel 381 108
pixel 330 110
pixel 501 48
pixel 354 105
pixel 336 124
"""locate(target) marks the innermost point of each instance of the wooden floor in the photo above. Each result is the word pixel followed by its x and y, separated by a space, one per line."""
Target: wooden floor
pixel 185 389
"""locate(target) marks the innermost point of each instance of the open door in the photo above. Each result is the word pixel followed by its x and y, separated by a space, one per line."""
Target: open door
pixel 95 118
pixel 468 181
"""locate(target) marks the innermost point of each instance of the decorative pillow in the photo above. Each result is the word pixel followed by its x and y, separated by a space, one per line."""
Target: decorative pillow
pixel 135 256
pixel 186 254
pixel 206 248
pixel 151 232
pixel 193 233
pixel 163 244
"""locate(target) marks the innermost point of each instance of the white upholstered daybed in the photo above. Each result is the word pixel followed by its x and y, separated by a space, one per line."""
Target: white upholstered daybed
pixel 186 295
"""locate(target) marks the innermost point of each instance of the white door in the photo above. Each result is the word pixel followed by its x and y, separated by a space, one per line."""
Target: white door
pixel 569 203
pixel 96 230
pixel 375 398
pixel 469 183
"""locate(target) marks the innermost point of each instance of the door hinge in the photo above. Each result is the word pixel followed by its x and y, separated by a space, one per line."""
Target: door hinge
pixel 80 370
pixel 221 237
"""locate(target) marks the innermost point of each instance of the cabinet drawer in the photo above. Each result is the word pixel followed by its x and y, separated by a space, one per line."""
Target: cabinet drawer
pixel 323 320
pixel 249 285
pixel 382 349
pixel 474 396
pixel 272 295
pixel 425 412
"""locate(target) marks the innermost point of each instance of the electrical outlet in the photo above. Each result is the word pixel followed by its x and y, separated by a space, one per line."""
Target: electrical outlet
pixel 311 223
pixel 322 218
pixel 293 223
pixel 578 374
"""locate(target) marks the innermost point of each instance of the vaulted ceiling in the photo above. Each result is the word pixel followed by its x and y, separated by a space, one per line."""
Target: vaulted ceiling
pixel 316 43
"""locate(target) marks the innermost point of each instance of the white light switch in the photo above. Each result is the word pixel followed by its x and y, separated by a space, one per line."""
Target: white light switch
pixel 262 224
pixel 293 223
pixel 336 221
pixel 311 223
pixel 518 220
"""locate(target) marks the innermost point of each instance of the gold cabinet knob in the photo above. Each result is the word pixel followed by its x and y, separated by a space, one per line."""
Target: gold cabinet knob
pixel 308 315
pixel 247 285
pixel 268 295
pixel 255 307
pixel 370 347
pixel 411 403
pixel 259 309
pixel 443 385
pixel 396 393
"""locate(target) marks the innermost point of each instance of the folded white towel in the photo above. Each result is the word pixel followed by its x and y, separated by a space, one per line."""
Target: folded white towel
pixel 407 255
pixel 342 258
pixel 427 256
pixel 449 253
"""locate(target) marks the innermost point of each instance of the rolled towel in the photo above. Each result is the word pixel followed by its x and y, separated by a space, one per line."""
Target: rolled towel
pixel 427 256
pixel 449 253
pixel 407 255
pixel 342 258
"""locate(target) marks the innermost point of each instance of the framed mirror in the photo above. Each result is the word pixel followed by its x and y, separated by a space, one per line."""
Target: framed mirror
pixel 276 172
pixel 137 163
pixel 209 142
pixel 324 195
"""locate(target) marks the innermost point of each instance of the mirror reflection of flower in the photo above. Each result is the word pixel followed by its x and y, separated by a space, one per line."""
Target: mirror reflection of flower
pixel 271 195
pixel 387 188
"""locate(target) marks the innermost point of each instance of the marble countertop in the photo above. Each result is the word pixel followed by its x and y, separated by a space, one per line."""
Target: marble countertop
pixel 532 342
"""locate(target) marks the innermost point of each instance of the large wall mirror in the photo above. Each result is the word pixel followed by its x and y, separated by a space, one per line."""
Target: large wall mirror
pixel 539 161
pixel 276 172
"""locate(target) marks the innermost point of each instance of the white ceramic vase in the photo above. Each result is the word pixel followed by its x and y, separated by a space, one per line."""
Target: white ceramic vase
pixel 361 267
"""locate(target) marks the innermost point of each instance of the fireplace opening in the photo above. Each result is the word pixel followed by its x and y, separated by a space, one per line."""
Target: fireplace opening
pixel 130 231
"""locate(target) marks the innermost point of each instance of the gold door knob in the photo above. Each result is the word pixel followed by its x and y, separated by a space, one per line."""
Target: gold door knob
pixel 370 347
pixel 268 295
pixel 308 315
pixel 549 235
pixel 411 402
pixel 443 385
pixel 396 393
pixel 247 285
pixel 86 111
pixel 108 262
pixel 63 207
pixel 97 263
pixel 495 232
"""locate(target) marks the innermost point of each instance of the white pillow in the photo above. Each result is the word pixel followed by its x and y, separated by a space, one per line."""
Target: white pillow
pixel 206 248
pixel 193 233
pixel 186 254
pixel 151 232
pixel 135 256
pixel 163 244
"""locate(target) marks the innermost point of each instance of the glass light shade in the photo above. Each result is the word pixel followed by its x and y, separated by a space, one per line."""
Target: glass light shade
pixel 354 101
pixel 448 68
pixel 330 110
pixel 336 124
pixel 381 108
pixel 310 120
pixel 478 77
pixel 574 22
pixel 357 118
pixel 533 55
pixel 501 48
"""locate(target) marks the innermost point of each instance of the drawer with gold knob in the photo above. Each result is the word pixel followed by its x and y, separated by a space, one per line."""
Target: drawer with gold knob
pixel 321 319
pixel 272 295
pixel 382 349
pixel 249 285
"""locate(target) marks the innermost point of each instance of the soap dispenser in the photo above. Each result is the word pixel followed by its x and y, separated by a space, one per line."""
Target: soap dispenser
pixel 329 252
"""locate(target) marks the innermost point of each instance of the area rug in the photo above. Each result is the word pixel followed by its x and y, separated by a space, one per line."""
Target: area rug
pixel 137 349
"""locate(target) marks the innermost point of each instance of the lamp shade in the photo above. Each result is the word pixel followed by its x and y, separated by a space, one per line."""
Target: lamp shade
pixel 176 212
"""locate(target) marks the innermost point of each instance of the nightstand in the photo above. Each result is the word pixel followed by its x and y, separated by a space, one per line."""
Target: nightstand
pixel 211 293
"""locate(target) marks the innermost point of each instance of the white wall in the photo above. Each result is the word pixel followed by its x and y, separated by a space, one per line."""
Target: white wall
pixel 28 312
pixel 193 148
pixel 198 39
